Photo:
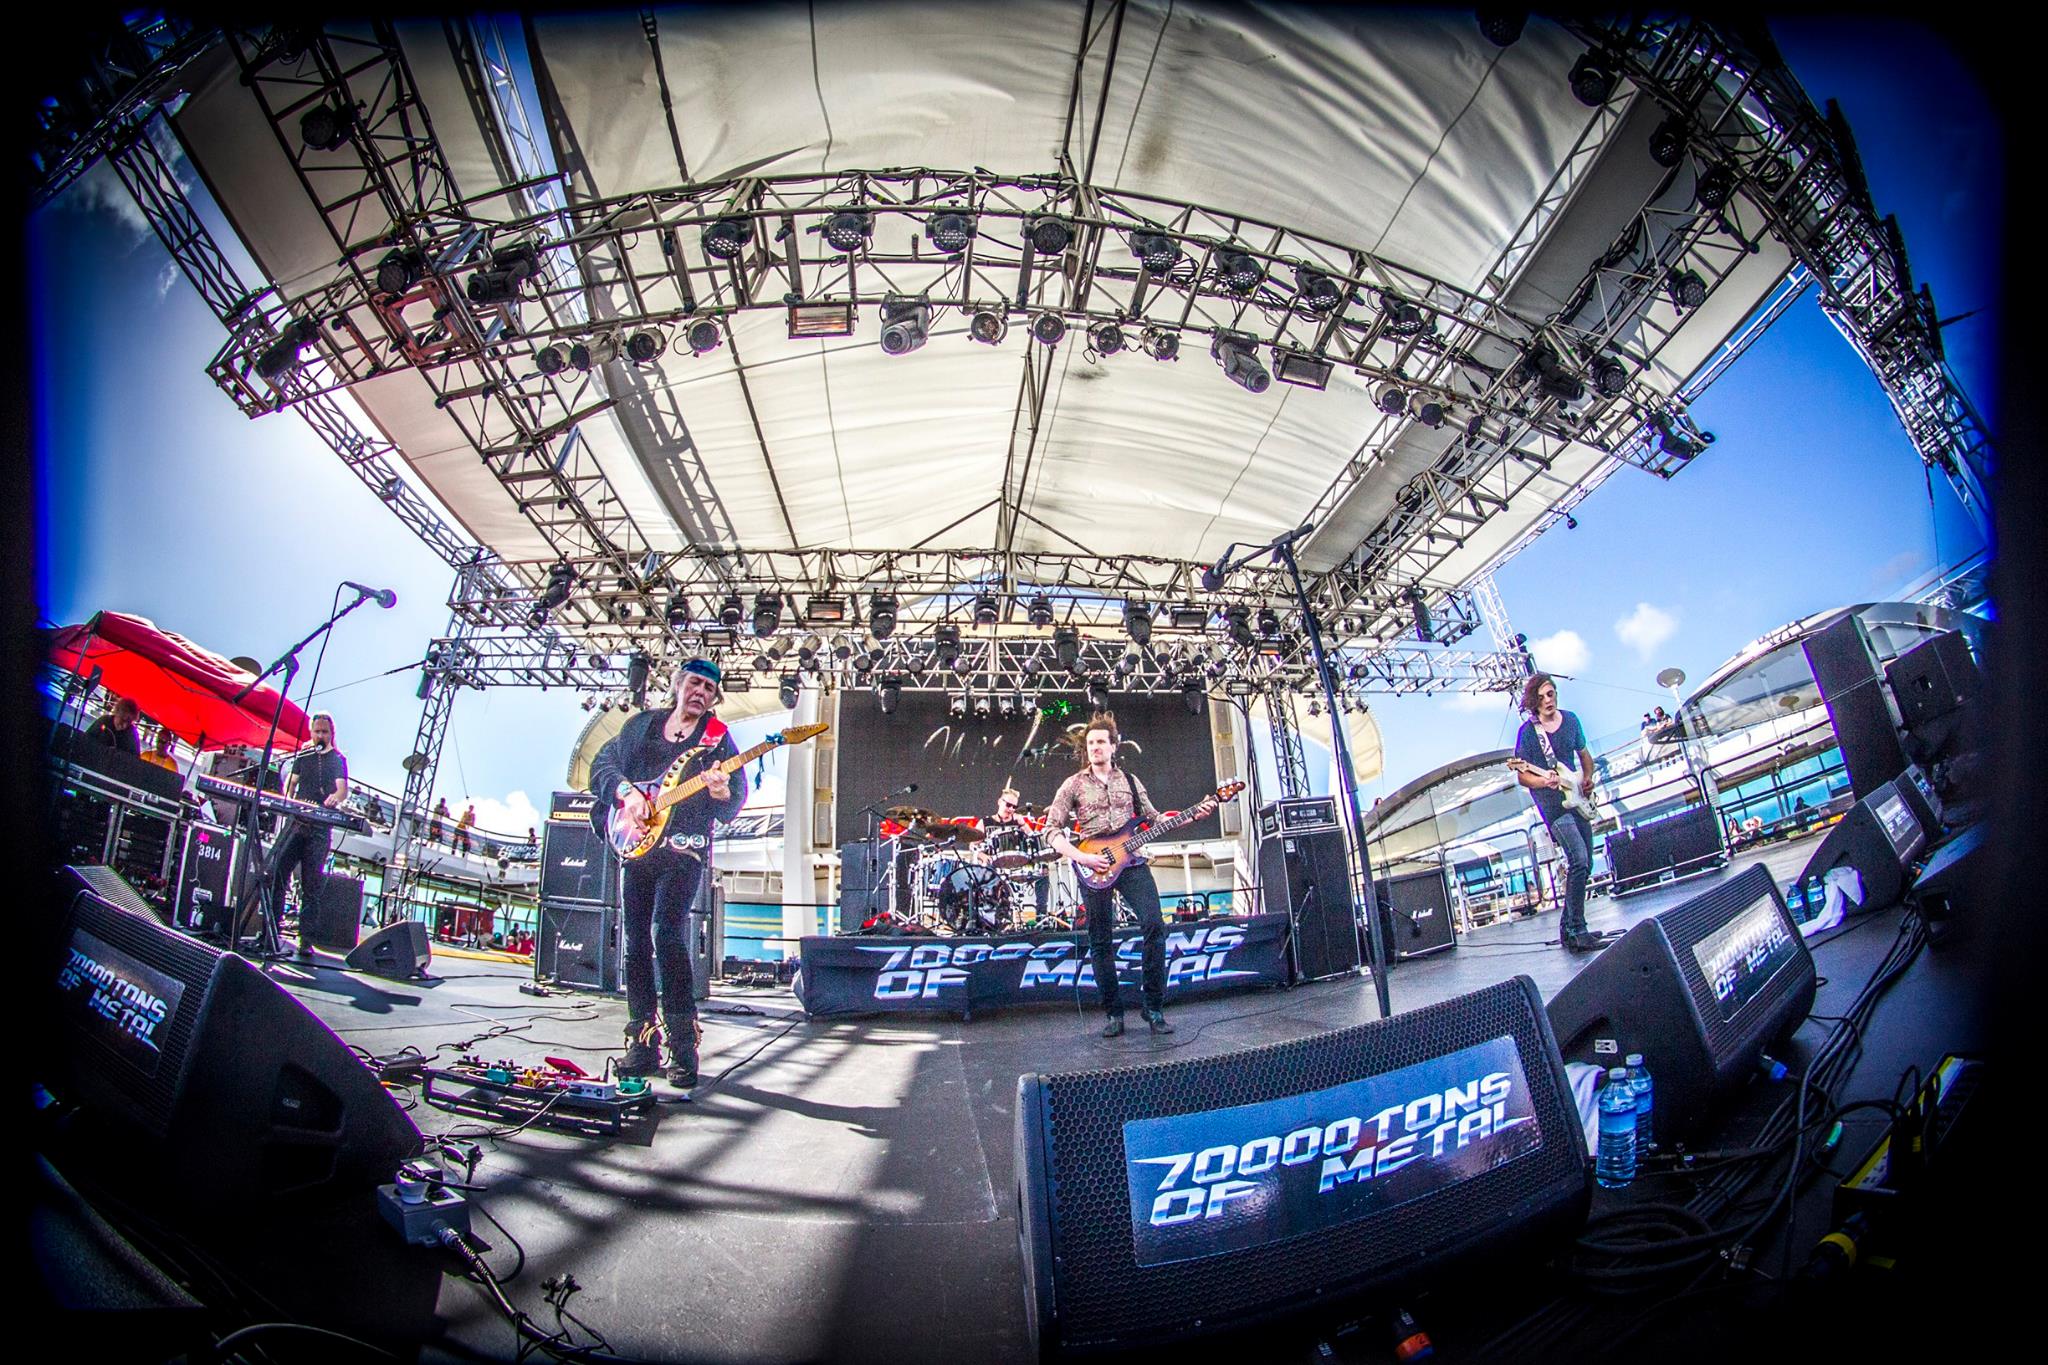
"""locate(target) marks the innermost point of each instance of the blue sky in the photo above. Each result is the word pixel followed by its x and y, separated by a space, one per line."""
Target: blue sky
pixel 158 497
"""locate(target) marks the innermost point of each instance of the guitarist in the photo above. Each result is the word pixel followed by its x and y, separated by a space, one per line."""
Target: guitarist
pixel 1550 738
pixel 1101 799
pixel 660 887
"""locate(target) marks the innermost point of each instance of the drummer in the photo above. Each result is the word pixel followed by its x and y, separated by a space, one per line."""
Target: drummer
pixel 1025 839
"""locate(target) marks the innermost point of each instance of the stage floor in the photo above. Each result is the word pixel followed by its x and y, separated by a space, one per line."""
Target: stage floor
pixel 843 1190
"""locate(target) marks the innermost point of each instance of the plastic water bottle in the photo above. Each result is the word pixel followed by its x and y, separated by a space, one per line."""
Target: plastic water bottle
pixel 1615 1166
pixel 1639 1078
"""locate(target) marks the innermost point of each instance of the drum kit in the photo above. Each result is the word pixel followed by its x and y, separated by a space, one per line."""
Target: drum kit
pixel 965 879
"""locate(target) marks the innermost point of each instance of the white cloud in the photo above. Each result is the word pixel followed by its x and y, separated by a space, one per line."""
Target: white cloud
pixel 512 816
pixel 1646 628
pixel 1564 652
pixel 99 190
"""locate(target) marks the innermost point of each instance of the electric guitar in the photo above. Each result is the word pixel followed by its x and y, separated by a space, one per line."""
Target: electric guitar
pixel 1121 846
pixel 673 788
pixel 1575 800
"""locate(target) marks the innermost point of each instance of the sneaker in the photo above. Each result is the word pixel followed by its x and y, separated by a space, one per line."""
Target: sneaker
pixel 643 1041
pixel 1157 1020
pixel 1114 1028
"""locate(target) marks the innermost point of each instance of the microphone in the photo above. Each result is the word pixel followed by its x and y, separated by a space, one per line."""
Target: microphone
pixel 386 598
pixel 904 791
pixel 1212 577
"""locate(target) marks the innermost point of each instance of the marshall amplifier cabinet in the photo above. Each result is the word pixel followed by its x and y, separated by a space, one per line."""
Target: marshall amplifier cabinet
pixel 579 946
pixel 575 865
pixel 1415 914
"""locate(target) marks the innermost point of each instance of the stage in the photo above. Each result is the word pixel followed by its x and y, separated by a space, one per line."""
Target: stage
pixel 842 1189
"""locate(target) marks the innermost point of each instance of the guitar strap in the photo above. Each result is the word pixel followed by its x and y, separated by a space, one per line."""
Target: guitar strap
pixel 1542 738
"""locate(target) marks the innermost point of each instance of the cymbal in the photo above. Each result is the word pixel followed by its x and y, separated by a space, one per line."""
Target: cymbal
pixel 943 829
pixel 910 815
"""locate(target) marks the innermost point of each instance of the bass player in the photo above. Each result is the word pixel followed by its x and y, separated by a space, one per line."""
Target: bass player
pixel 1550 755
pixel 1100 799
pixel 661 886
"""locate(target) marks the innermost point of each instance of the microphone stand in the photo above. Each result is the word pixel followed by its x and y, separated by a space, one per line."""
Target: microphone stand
pixel 252 818
pixel 1282 549
pixel 875 850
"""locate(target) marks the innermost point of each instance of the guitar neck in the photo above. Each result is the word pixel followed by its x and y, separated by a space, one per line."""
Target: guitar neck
pixel 1168 826
pixel 683 791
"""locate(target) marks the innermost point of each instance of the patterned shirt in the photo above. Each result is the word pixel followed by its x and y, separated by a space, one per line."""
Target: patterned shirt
pixel 1099 807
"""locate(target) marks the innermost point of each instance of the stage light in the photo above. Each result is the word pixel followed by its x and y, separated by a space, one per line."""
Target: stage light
pixel 1426 408
pixel 982 708
pixel 1189 616
pixel 488 287
pixel 949 231
pixel 946 644
pixel 906 324
pixel 1005 708
pixel 560 579
pixel 987 609
pixel 730 612
pixel 1048 328
pixel 1193 697
pixel 1316 291
pixel 637 666
pixel 888 691
pixel 1240 361
pixel 1391 399
pixel 956 706
pixel 1127 663
pixel 1160 344
pixel 1106 337
pixel 767 612
pixel 325 127
pixel 282 355
pixel 704 335
pixel 1050 236
pixel 1610 376
pixel 988 327
pixel 1098 694
pixel 1039 612
pixel 1156 251
pixel 767 660
pixel 1501 27
pixel 399 271
pixel 1401 318
pixel 808 320
pixel 726 238
pixel 645 347
pixel 792 687
pixel 1425 629
pixel 1138 621
pixel 1667 141
pixel 1066 646
pixel 1238 617
pixel 1305 371
pixel 882 615
pixel 808 647
pixel 599 350
pixel 1686 288
pixel 1571 523
pixel 1269 623
pixel 864 662
pixel 1238 271
pixel 1716 187
pixel 551 360
pixel 677 613
pixel 1593 78
pixel 848 231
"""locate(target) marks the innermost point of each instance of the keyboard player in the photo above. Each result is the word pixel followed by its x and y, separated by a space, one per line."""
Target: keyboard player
pixel 319 774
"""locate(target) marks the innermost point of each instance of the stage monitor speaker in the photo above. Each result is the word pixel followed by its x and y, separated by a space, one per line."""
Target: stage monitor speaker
pixel 1661 850
pixel 1879 836
pixel 111 887
pixel 1415 914
pixel 576 865
pixel 398 951
pixel 337 914
pixel 241 1090
pixel 578 946
pixel 1308 876
pixel 1699 990
pixel 1845 667
pixel 1157 1202
pixel 1934 678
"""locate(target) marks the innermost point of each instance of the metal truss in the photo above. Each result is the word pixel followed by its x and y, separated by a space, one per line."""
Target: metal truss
pixel 114 91
pixel 1289 762
pixel 1746 113
pixel 440 680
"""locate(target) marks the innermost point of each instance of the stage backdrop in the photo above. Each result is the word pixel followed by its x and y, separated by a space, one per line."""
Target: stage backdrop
pixel 960 764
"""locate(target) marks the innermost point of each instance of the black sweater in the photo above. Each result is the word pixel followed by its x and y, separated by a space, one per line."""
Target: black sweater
pixel 639 753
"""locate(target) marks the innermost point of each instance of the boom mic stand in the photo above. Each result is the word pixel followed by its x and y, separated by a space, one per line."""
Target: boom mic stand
pixel 1282 550
pixel 252 818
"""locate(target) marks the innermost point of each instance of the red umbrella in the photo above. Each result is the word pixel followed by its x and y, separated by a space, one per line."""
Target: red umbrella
pixel 179 685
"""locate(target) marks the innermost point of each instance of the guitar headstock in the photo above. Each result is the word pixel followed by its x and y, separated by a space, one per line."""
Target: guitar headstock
pixel 1229 789
pixel 797 734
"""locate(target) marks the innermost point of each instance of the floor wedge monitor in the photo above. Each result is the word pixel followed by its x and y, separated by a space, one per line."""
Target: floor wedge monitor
pixel 1699 990
pixel 1159 1202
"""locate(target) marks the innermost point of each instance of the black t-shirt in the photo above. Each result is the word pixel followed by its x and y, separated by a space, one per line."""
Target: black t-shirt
pixel 106 732
pixel 1565 743
pixel 319 773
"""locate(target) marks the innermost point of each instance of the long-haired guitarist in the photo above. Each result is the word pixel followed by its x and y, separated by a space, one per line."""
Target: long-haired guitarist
pixel 1101 799
pixel 1551 756
pixel 660 887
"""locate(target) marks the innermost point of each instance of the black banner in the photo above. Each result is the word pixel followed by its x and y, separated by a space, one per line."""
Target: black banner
pixel 871 975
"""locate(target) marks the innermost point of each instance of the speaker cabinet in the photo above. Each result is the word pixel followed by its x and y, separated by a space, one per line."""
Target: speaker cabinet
pixel 336 921
pixel 1699 990
pixel 576 866
pixel 398 951
pixel 1879 837
pixel 1845 666
pixel 205 860
pixel 1934 678
pixel 578 946
pixel 1307 874
pixel 1676 846
pixel 1157 1202
pixel 1415 914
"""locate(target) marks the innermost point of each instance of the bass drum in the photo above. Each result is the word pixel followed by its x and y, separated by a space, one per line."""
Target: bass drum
pixel 972 899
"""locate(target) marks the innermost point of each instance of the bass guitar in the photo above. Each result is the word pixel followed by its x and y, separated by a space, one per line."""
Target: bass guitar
pixel 1575 800
pixel 1121 846
pixel 673 788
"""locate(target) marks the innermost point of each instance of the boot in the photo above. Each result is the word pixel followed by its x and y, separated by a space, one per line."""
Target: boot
pixel 643 1049
pixel 683 1037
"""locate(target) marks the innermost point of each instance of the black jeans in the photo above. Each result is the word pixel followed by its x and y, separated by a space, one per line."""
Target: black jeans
pixel 1143 894
pixel 301 848
pixel 659 891
pixel 1574 835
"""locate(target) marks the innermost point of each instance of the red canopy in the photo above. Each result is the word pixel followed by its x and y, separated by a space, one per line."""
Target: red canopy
pixel 176 683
